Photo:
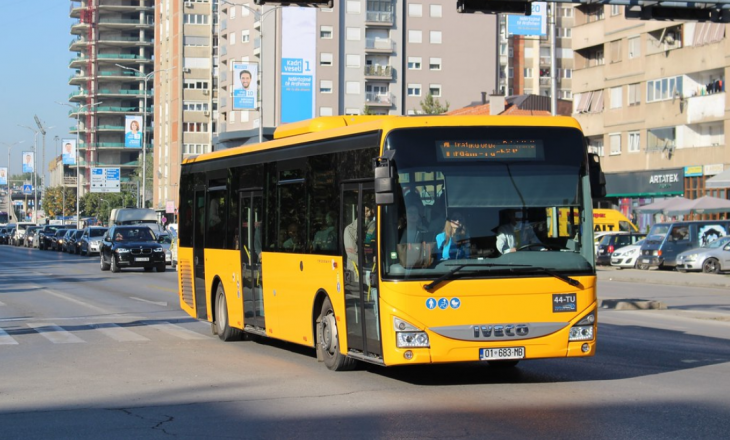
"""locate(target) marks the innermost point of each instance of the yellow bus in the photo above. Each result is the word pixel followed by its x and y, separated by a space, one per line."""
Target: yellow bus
pixel 397 240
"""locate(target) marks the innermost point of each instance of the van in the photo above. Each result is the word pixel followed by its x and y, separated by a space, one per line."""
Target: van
pixel 135 216
pixel 605 220
pixel 667 240
pixel 19 237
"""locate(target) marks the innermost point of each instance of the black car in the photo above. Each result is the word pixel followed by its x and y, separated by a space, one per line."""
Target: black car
pixel 71 241
pixel 57 240
pixel 4 234
pixel 131 246
pixel 46 235
pixel 611 242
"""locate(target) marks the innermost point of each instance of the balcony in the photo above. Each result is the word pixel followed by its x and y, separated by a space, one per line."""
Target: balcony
pixel 379 45
pixel 124 41
pixel 119 57
pixel 378 100
pixel 126 23
pixel 77 44
pixel 378 72
pixel 379 18
pixel 124 93
pixel 705 108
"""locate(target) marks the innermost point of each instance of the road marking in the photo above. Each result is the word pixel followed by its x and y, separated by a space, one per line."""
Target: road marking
pixel 6 339
pixel 160 303
pixel 118 333
pixel 54 333
pixel 165 289
pixel 100 310
pixel 176 330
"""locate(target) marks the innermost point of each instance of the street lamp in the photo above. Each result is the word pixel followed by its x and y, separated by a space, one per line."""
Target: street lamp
pixel 144 126
pixel 78 174
pixel 35 172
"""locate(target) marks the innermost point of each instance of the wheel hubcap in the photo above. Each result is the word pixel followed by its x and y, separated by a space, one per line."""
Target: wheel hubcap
pixel 329 334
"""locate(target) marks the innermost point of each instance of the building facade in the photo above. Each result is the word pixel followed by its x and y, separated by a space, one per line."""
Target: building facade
pixel 651 98
pixel 113 55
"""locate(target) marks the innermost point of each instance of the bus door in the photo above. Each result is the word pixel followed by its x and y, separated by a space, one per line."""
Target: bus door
pixel 250 218
pixel 199 252
pixel 359 254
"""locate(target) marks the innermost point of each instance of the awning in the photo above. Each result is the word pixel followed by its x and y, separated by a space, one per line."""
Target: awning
pixel 722 180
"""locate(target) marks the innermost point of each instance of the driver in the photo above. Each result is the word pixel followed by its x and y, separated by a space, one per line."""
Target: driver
pixel 515 234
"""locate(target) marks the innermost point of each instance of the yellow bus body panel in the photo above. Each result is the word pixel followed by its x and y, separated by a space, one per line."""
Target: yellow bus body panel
pixel 224 266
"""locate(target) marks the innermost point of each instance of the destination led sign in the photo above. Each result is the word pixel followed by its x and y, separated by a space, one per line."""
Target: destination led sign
pixel 490 150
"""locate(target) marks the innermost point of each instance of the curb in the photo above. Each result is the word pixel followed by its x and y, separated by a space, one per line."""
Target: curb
pixel 668 281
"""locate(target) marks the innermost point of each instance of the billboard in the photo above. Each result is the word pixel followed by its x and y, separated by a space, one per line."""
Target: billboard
pixel 245 91
pixel 132 131
pixel 298 57
pixel 28 162
pixel 69 151
pixel 533 25
pixel 3 176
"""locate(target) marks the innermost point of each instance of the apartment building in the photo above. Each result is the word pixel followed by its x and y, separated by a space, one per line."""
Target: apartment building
pixel 185 84
pixel 113 55
pixel 651 98
pixel 367 56
pixel 525 60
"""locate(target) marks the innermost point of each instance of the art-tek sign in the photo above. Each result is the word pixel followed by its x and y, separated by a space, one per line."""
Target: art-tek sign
pixel 646 183
pixel 664 180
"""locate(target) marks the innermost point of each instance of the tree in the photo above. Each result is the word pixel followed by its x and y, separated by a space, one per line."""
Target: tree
pixel 368 111
pixel 431 106
pixel 53 202
pixel 100 205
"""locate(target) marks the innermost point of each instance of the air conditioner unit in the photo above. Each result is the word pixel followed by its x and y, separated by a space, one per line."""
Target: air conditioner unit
pixel 206 113
pixel 206 92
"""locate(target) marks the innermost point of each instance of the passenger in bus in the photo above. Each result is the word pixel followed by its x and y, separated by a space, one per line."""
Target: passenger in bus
pixel 412 228
pixel 292 243
pixel 515 234
pixel 326 238
pixel 453 243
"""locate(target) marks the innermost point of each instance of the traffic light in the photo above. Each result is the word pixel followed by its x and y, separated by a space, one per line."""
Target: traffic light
pixel 304 3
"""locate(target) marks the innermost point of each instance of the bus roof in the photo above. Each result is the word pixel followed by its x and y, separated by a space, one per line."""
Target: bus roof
pixel 334 126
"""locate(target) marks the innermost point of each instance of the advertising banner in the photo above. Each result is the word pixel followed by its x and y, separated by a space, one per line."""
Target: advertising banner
pixel 245 89
pixel 69 151
pixel 132 131
pixel 298 56
pixel 3 176
pixel 28 162
pixel 533 25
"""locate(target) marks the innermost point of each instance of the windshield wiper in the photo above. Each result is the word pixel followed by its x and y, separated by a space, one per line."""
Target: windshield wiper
pixel 458 267
pixel 573 282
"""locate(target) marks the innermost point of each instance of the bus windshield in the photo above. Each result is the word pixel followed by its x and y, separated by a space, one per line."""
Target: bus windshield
pixel 503 201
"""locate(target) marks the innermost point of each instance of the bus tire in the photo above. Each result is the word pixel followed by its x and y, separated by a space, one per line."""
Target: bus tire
pixel 224 331
pixel 328 348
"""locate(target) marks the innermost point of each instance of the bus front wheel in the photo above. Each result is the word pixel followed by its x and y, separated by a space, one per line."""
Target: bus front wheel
pixel 328 347
pixel 222 328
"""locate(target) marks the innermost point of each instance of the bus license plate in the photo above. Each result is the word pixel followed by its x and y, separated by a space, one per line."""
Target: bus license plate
pixel 490 354
pixel 142 259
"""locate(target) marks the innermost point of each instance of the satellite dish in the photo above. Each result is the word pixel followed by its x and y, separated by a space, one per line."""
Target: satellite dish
pixel 669 39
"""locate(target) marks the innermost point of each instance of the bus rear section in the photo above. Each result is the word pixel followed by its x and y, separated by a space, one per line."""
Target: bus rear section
pixel 445 250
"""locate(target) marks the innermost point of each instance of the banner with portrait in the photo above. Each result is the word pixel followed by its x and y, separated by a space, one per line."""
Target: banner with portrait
pixel 132 131
pixel 3 176
pixel 245 80
pixel 28 162
pixel 69 151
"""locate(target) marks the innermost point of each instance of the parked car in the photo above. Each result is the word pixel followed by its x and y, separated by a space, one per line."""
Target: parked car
pixel 90 240
pixel 165 239
pixel 46 235
pixel 4 234
pixel 626 256
pixel 712 258
pixel 30 234
pixel 57 240
pixel 667 240
pixel 611 242
pixel 71 241
pixel 131 246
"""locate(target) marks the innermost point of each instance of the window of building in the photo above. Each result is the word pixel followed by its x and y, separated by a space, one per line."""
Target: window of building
pixel 232 38
pixel 615 142
pixel 245 12
pixel 352 60
pixel 435 90
pixel 352 87
pixel 503 48
pixel 615 47
pixel 245 36
pixel 415 36
pixel 634 92
pixel 615 10
pixel 566 11
pixel 616 97
pixel 527 72
pixel 196 41
pixel 414 63
pixel 325 111
pixel 196 148
pixel 195 127
pixel 634 47
pixel 435 37
pixel 661 139
pixel 564 32
pixel 353 6
pixel 195 19
pixel 565 94
pixel 663 89
pixel 195 106
pixel 353 34
pixel 326 59
pixel 436 11
pixel 325 86
pixel 595 145
pixel 414 90
pixel 196 63
pixel 195 84
pixel 325 32
pixel 415 10
pixel 232 116
pixel 434 64
pixel 634 142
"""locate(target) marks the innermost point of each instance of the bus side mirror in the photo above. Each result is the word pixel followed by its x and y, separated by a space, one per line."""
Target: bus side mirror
pixel 597 178
pixel 384 178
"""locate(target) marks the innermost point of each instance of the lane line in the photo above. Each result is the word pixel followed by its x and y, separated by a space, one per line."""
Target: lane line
pixel 6 339
pixel 118 333
pixel 176 330
pixel 54 333
pixel 160 303
pixel 164 289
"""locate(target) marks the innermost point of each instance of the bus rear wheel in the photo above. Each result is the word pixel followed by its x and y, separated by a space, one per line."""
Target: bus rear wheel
pixel 222 328
pixel 328 347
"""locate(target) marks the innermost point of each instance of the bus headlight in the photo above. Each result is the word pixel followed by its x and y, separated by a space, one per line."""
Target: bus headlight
pixel 408 335
pixel 583 330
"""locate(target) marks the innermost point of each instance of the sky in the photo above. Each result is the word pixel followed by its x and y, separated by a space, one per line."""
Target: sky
pixel 34 41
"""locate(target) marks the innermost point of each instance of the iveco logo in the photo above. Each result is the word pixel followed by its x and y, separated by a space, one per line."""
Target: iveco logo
pixel 501 330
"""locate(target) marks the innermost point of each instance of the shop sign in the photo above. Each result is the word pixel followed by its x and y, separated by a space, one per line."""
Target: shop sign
pixel 714 169
pixel 693 171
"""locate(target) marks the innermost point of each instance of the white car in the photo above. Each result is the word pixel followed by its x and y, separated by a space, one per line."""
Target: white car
pixel 626 256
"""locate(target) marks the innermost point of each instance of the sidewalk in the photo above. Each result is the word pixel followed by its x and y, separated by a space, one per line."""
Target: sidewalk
pixel 655 276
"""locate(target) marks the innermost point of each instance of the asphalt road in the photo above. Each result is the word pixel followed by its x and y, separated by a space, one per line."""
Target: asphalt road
pixel 91 354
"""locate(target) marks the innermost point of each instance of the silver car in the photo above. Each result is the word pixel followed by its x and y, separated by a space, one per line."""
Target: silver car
pixel 713 258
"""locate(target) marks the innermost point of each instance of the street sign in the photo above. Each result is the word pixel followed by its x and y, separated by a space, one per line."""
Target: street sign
pixel 27 189
pixel 105 180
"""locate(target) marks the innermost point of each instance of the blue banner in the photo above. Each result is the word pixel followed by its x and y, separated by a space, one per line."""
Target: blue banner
pixel 298 50
pixel 534 25
pixel 244 86
pixel 133 131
